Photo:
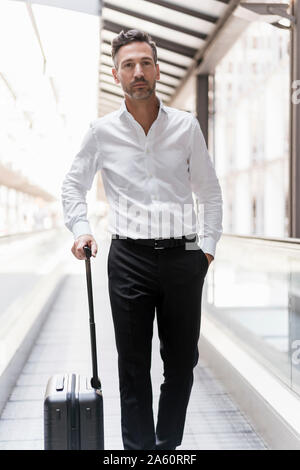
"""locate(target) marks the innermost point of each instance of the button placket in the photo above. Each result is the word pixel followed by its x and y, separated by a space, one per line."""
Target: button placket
pixel 147 157
pixel 150 172
pixel 148 160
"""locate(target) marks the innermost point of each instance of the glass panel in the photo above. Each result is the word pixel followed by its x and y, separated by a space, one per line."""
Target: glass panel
pixel 253 290
pixel 294 324
pixel 252 86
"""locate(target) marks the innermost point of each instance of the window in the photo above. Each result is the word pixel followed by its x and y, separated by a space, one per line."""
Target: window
pixel 251 127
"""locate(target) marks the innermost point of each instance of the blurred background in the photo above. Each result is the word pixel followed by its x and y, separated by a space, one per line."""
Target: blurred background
pixel 48 95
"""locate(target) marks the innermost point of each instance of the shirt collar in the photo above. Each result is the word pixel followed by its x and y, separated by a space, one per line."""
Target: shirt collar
pixel 123 108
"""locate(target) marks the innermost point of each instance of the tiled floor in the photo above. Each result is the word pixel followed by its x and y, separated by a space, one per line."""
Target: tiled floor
pixel 213 420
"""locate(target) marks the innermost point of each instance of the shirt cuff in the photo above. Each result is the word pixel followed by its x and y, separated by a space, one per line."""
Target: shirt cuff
pixel 208 245
pixel 81 228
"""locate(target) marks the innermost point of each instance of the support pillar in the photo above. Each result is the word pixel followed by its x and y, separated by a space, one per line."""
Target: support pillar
pixel 202 103
pixel 294 187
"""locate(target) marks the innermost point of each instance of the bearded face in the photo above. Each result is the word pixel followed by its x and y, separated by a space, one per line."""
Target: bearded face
pixel 136 70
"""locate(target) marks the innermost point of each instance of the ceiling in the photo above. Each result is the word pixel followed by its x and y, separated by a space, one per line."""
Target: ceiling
pixel 185 33
pixel 180 30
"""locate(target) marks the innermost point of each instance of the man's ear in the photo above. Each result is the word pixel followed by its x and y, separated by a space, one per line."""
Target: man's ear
pixel 157 72
pixel 115 75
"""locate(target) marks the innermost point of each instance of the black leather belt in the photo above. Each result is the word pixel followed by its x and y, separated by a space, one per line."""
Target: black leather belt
pixel 160 243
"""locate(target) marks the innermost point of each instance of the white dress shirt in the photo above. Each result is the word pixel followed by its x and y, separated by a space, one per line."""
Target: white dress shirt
pixel 149 180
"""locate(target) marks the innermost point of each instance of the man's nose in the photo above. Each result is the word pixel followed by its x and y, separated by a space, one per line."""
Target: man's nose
pixel 138 71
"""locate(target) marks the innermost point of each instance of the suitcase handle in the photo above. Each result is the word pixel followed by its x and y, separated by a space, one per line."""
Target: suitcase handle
pixel 95 381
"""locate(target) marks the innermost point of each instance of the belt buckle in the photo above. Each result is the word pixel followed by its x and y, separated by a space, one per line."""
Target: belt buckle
pixel 156 247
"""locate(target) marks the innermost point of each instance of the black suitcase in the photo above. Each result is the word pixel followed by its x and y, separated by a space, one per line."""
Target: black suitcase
pixel 73 407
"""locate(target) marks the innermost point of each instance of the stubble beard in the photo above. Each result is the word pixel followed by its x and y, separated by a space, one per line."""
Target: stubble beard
pixel 141 94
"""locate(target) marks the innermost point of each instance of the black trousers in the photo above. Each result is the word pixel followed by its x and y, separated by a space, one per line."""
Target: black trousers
pixel 143 280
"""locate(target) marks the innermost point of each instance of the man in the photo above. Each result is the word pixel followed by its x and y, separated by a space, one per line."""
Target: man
pixel 152 159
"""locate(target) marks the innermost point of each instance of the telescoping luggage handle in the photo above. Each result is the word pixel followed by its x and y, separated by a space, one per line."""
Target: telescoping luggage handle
pixel 95 381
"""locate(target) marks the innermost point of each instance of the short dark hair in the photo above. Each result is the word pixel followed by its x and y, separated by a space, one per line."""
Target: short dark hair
pixel 132 35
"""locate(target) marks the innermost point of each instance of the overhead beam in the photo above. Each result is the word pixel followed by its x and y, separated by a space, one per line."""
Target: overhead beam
pixel 266 9
pixel 218 48
pixel 160 42
pixel 206 53
pixel 169 62
pixel 153 20
pixel 185 10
